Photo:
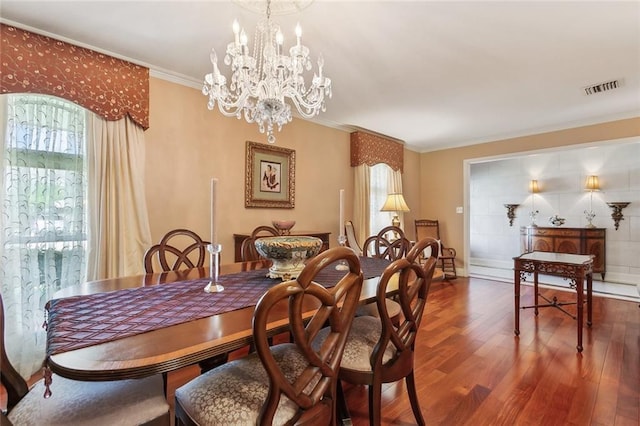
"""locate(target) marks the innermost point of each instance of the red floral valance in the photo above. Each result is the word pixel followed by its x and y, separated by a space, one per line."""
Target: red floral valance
pixel 372 149
pixel 110 87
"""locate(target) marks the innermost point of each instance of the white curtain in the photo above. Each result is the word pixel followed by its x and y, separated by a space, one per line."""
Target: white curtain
pixel 119 231
pixel 43 215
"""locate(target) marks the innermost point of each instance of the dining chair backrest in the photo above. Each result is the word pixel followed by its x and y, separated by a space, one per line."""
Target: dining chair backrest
pixel 390 243
pixel 288 383
pixel 352 241
pixel 317 383
pixel 248 250
pixel 15 385
pixel 414 281
pixel 178 249
pixel 381 350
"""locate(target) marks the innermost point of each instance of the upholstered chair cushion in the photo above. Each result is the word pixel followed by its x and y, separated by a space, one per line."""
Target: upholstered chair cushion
pixel 364 335
pixel 235 392
pixel 371 309
pixel 123 402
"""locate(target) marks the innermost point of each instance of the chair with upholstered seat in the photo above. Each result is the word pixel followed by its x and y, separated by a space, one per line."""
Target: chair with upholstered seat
pixel 381 246
pixel 290 383
pixel 123 402
pixel 178 249
pixel 429 228
pixel 379 351
pixel 248 249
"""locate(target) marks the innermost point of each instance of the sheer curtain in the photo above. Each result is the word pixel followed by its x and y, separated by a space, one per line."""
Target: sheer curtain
pixel 43 222
pixel 379 189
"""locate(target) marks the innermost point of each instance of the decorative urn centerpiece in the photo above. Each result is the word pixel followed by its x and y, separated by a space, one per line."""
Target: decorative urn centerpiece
pixel 288 254
pixel 556 220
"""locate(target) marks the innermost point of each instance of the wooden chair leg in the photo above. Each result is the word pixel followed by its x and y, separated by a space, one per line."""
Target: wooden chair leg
pixel 413 398
pixel 375 404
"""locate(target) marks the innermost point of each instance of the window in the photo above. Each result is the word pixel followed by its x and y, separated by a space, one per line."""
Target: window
pixel 44 204
pixel 379 177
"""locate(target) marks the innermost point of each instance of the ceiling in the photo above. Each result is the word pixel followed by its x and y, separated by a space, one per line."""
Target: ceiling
pixel 434 74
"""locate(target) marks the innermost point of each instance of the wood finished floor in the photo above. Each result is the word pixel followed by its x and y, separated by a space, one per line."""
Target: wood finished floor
pixel 472 370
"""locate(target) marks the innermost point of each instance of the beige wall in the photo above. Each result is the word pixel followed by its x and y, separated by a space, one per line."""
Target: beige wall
pixel 442 172
pixel 187 145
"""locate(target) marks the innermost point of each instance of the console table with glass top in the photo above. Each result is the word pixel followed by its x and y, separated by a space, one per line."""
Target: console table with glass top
pixel 573 267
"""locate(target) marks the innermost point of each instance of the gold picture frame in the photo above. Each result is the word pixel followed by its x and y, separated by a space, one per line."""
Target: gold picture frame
pixel 269 176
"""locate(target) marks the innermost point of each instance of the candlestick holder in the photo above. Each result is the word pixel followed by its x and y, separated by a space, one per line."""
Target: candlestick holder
pixel 214 269
pixel 342 265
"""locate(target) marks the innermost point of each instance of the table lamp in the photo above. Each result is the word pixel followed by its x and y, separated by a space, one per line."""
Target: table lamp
pixel 395 203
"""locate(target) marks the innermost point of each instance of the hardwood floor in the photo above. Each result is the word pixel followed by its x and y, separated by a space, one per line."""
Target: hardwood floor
pixel 472 370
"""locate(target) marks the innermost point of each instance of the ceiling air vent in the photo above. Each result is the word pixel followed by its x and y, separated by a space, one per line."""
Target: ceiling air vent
pixel 602 87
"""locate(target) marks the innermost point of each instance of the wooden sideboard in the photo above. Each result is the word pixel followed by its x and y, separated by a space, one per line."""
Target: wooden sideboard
pixel 567 240
pixel 239 238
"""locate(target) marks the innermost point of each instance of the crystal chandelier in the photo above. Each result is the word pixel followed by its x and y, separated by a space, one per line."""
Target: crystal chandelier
pixel 261 81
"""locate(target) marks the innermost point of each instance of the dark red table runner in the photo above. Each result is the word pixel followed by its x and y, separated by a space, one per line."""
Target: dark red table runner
pixel 81 321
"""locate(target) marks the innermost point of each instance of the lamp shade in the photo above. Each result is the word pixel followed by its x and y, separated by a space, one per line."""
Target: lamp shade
pixel 533 187
pixel 592 184
pixel 395 203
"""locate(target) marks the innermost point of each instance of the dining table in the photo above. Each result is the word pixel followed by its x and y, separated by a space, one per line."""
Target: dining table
pixel 137 326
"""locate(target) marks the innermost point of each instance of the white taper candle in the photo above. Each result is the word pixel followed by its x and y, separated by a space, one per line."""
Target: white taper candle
pixel 341 224
pixel 214 229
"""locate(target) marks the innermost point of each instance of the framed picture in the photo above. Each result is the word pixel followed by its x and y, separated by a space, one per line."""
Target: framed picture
pixel 269 176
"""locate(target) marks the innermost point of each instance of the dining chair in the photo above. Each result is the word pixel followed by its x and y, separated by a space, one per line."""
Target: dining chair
pixel 381 246
pixel 389 243
pixel 248 250
pixel 178 249
pixel 181 249
pixel 379 351
pixel 291 382
pixel 122 402
pixel 352 241
pixel 446 255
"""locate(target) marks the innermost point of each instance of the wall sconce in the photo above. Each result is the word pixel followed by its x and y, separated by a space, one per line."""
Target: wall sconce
pixel 617 212
pixel 591 185
pixel 511 212
pixel 533 189
pixel 395 203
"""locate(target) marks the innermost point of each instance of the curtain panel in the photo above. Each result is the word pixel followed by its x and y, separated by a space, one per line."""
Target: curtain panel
pixel 110 87
pixel 370 149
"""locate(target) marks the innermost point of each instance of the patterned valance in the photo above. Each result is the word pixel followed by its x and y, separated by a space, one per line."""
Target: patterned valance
pixel 110 87
pixel 372 149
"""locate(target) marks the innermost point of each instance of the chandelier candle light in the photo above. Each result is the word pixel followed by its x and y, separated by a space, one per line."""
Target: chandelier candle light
pixel 261 81
pixel 214 247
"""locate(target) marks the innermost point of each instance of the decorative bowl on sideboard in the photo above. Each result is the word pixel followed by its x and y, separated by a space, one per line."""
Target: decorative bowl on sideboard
pixel 283 226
